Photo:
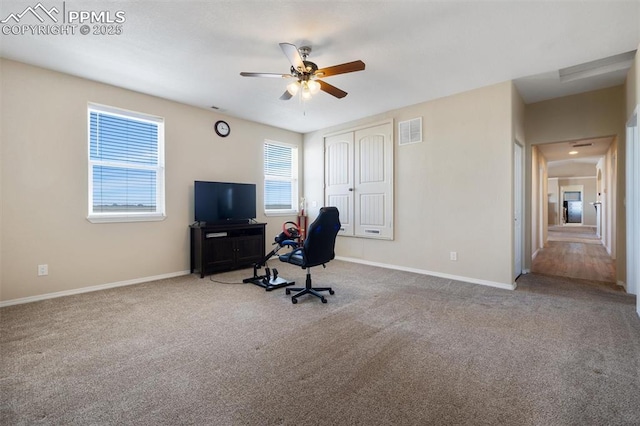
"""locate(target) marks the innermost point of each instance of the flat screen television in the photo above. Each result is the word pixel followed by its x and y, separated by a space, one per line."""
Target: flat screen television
pixel 224 202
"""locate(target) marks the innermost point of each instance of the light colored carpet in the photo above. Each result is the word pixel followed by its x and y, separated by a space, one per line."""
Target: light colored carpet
pixel 389 347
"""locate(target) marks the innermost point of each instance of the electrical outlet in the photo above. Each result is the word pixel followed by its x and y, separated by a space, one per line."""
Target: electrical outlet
pixel 453 255
pixel 43 270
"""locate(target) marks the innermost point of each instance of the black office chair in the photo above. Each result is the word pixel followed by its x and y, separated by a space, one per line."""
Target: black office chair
pixel 317 249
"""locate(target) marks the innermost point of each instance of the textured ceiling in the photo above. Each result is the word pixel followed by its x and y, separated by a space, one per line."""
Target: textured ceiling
pixel 193 51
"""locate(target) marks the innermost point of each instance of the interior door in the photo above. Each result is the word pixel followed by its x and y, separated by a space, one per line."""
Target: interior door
pixel 373 176
pixel 339 178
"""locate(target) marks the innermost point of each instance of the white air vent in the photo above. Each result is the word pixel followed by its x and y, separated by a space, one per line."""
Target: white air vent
pixel 410 131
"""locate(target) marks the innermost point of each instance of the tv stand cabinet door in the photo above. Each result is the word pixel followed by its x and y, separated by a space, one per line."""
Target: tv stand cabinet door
pixel 249 249
pixel 219 254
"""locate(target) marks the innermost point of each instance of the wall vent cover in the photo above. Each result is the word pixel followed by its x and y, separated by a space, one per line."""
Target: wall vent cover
pixel 410 131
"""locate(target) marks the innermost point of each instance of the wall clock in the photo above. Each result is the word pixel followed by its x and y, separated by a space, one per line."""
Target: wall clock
pixel 222 128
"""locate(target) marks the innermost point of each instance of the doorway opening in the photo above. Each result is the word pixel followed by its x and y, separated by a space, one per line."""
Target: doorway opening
pixel 572 204
pixel 569 217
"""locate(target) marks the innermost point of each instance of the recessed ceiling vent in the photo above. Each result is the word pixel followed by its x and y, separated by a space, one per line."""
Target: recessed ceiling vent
pixel 579 145
pixel 410 131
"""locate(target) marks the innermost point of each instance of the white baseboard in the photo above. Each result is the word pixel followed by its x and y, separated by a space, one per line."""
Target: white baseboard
pixel 435 274
pixel 622 284
pixel 90 289
pixel 535 253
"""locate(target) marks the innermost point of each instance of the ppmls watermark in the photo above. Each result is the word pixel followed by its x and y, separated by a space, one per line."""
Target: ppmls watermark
pixel 40 20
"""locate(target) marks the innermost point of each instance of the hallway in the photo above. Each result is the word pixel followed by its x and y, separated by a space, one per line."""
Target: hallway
pixel 576 252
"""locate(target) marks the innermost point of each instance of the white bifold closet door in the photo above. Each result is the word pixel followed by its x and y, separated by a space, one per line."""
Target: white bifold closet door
pixel 359 180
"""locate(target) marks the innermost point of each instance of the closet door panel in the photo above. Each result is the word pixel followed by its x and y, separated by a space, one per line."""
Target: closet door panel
pixel 339 178
pixel 374 182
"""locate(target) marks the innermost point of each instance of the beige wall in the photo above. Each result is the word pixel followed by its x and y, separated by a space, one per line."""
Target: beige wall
pixel 453 192
pixel 571 169
pixel 44 183
pixel 519 115
pixel 633 86
pixel 591 114
pixel 607 198
pixel 587 115
pixel 553 203
pixel 518 109
pixel 539 200
pixel 632 101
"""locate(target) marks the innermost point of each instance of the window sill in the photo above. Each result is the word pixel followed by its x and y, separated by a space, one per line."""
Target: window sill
pixel 116 218
pixel 273 213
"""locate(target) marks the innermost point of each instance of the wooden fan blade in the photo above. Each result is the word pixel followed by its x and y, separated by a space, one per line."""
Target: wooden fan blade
pixel 340 69
pixel 286 96
pixel 332 90
pixel 292 53
pixel 264 74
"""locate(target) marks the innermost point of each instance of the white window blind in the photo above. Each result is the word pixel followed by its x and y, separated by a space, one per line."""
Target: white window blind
pixel 126 167
pixel 280 178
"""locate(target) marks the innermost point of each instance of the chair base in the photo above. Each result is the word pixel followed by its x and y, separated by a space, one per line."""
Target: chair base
pixel 308 290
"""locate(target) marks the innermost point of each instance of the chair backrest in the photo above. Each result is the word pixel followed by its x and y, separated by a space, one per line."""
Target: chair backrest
pixel 321 237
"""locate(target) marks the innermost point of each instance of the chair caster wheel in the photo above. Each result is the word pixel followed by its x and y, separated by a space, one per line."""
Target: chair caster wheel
pixel 323 300
pixel 332 292
pixel 287 291
pixel 294 300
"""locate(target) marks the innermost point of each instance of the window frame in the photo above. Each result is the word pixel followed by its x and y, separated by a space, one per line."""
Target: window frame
pixel 294 179
pixel 129 216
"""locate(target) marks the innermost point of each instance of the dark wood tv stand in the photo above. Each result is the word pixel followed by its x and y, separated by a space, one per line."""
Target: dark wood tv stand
pixel 216 248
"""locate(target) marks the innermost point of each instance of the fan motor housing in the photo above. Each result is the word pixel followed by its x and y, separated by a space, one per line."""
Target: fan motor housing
pixel 310 67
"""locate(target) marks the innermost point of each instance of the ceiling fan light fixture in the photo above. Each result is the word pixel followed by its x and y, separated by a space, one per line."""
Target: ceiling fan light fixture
pixel 293 88
pixel 314 86
pixel 306 92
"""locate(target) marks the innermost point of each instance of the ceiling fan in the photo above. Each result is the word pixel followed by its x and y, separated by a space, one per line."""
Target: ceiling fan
pixel 307 74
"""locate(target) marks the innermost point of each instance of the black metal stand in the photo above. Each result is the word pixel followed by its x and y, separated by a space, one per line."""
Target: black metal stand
pixel 270 280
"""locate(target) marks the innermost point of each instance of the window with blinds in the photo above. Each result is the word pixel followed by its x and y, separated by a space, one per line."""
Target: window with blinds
pixel 126 165
pixel 280 178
